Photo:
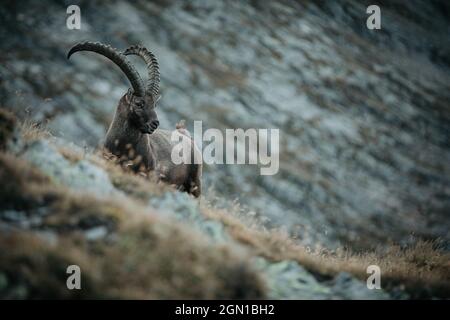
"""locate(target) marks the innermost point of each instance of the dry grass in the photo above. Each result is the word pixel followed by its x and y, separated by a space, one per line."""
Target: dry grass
pixel 152 258
pixel 31 130
pixel 136 185
pixel 72 155
pixel 141 255
pixel 423 269
pixel 125 180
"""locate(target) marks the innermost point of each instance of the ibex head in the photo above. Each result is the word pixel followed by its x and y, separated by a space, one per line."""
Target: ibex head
pixel 138 104
pixel 152 95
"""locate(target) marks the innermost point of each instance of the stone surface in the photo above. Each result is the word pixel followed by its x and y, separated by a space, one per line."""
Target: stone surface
pixel 82 175
pixel 285 279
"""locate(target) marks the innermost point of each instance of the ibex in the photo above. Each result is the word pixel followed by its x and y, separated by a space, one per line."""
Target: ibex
pixel 133 134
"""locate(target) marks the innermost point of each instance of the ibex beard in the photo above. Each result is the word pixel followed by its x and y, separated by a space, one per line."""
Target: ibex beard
pixel 251 146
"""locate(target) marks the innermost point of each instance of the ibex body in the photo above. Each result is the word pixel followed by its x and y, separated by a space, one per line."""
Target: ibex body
pixel 133 135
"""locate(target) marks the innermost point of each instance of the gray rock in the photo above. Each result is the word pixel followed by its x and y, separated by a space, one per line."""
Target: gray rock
pixel 289 280
pixel 183 207
pixel 82 175
pixel 96 233
pixel 78 127
pixel 345 286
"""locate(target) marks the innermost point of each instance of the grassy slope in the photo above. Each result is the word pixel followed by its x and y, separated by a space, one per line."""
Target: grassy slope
pixel 146 255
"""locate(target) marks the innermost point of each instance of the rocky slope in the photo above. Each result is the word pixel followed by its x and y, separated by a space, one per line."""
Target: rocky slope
pixel 363 115
pixel 131 238
pixel 134 238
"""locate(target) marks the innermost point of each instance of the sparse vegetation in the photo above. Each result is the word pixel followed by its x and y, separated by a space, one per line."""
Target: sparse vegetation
pixel 422 269
pixel 31 130
pixel 141 254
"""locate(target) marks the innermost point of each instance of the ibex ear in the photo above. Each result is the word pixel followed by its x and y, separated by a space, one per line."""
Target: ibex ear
pixel 158 97
pixel 128 96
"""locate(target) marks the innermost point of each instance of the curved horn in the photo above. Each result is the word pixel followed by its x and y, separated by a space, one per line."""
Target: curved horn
pixel 118 58
pixel 152 67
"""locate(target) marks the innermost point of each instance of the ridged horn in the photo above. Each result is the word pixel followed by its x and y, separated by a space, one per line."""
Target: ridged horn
pixel 152 67
pixel 118 58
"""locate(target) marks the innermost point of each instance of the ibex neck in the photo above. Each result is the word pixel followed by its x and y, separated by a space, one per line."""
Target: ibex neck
pixel 121 135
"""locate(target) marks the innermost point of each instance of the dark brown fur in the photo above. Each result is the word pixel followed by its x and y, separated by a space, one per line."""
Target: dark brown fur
pixel 149 152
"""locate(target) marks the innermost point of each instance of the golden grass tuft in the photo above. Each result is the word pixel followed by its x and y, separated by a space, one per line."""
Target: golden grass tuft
pixel 137 186
pixel 144 256
pixel 72 155
pixel 422 269
pixel 31 130
pixel 141 256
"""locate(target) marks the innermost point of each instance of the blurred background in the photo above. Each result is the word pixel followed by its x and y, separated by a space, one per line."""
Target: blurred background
pixel 364 115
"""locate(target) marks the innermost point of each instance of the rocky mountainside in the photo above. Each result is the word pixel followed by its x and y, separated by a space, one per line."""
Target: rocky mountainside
pixel 134 238
pixel 364 118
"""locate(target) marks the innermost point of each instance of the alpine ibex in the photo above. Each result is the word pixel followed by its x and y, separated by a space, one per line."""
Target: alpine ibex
pixel 133 135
